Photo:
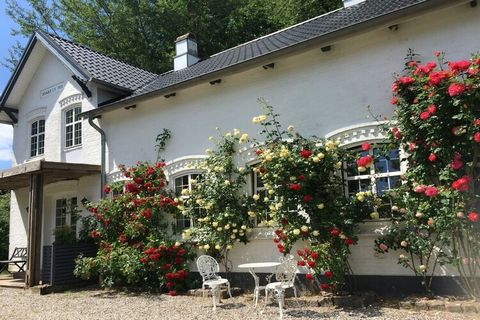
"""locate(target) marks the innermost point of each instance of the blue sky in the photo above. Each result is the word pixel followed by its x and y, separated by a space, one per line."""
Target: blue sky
pixel 7 40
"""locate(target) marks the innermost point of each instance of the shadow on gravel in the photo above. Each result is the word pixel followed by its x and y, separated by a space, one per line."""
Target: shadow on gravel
pixel 311 314
pixel 231 305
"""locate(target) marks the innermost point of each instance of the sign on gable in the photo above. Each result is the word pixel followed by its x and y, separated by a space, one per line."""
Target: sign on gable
pixel 50 90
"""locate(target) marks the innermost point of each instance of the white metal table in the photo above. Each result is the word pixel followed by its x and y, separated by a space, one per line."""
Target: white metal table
pixel 251 268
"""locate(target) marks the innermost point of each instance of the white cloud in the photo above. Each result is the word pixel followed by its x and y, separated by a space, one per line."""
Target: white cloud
pixel 6 138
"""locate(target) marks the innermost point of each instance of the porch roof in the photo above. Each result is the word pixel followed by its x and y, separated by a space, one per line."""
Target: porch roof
pixel 19 176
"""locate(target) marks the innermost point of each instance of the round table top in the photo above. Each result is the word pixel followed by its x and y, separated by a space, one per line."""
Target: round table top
pixel 252 265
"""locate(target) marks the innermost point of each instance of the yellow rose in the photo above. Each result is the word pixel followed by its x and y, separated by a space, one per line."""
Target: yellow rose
pixel 320 206
pixel 206 247
pixel 316 233
pixel 320 155
pixel 256 197
pixel 374 215
pixel 218 247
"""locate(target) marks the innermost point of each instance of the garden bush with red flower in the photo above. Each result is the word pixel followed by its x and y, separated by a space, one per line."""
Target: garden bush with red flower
pixel 135 247
pixel 437 122
pixel 303 182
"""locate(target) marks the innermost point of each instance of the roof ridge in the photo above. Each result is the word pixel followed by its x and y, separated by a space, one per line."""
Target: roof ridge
pixel 95 51
pixel 278 31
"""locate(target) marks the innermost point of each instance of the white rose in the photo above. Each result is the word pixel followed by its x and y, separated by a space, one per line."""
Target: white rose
pixel 206 247
pixel 320 206
pixel 218 247
pixel 256 197
pixel 296 232
pixel 215 224
pixel 304 228
pixel 316 233
pixel 290 128
pixel 229 247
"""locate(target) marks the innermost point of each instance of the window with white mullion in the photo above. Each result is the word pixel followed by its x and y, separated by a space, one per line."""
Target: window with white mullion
pixel 181 183
pixel 37 138
pixel 383 175
pixel 73 127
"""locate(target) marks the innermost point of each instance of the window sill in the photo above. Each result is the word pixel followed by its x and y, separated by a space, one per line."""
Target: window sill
pixel 36 158
pixel 72 148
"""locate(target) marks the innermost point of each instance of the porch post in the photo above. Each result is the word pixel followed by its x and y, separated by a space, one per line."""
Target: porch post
pixel 35 214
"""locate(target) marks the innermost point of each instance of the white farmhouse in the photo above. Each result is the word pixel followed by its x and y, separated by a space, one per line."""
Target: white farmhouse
pixel 78 114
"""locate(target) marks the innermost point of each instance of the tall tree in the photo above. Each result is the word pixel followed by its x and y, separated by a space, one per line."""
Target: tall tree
pixel 142 32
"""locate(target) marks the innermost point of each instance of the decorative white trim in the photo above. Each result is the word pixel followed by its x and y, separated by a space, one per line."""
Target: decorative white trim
pixel 36 113
pixel 115 176
pixel 183 165
pixel 75 98
pixel 348 136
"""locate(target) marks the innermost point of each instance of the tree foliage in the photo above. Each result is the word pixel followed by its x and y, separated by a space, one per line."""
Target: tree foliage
pixel 142 32
pixel 4 224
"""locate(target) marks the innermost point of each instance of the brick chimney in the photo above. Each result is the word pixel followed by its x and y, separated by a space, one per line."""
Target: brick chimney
pixel 186 53
pixel 348 3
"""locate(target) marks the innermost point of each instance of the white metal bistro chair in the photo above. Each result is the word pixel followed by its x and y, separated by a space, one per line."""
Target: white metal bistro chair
pixel 208 268
pixel 285 278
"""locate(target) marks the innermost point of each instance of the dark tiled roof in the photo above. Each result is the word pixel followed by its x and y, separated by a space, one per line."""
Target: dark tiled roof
pixel 305 31
pixel 102 67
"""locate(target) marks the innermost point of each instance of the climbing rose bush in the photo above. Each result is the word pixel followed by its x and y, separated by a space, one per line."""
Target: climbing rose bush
pixel 135 248
pixel 306 199
pixel 435 212
pixel 216 204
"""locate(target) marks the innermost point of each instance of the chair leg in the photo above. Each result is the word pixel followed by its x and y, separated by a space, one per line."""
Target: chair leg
pixel 214 297
pixel 281 301
pixel 256 293
pixel 229 292
pixel 266 299
pixel 296 297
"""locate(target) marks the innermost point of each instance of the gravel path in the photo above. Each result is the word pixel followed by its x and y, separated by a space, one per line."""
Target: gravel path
pixel 93 304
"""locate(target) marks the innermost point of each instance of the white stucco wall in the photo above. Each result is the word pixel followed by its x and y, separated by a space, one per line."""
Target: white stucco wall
pixel 52 73
pixel 318 92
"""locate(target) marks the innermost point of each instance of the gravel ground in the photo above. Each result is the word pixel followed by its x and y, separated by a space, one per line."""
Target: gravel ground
pixel 95 304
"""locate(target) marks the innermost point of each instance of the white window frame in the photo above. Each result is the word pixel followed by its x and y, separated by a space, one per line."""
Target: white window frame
pixel 179 217
pixel 76 135
pixel 67 215
pixel 371 173
pixel 261 191
pixel 39 136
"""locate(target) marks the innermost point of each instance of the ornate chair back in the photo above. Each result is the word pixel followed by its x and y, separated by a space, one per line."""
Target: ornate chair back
pixel 208 267
pixel 285 272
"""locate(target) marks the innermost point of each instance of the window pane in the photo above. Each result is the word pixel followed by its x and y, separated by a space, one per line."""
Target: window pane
pixel 78 110
pixel 34 128
pixel 387 164
pixel 69 116
pixel 78 133
pixel 355 186
pixel 382 185
pixel 33 146
pixel 41 126
pixel 41 144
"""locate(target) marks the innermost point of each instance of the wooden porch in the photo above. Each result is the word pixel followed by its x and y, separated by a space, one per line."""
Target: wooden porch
pixel 35 175
pixel 12 281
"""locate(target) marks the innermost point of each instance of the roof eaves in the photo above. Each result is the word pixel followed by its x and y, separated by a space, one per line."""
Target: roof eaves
pixel 359 27
pixel 18 70
pixel 63 56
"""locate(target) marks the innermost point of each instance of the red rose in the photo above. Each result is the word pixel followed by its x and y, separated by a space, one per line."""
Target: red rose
pixel 281 248
pixel 431 192
pixel 459 65
pixel 424 115
pixel 259 152
pixel 305 153
pixel 95 234
pixel 432 157
pixel 307 198
pixel 461 184
pixel 143 260
pixel 365 161
pixel 334 232
pixel 122 238
pixel 436 53
pixel 311 264
pixel 348 241
pixel 476 137
pixel 172 293
pixel 457 162
pixel 324 286
pixel 328 274
pixel 178 260
pixel 314 255
pixel 106 189
pixel 435 78
pixel 131 187
pixel 295 187
pixel 366 146
pixel 396 133
pixel 394 100
pixel 147 213
pixel 432 108
pixel 394 87
pixel 406 80
pixel 473 216
pixel 301 263
pixel 309 276
pixel 301 177
pixel 456 89
pixel 160 165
